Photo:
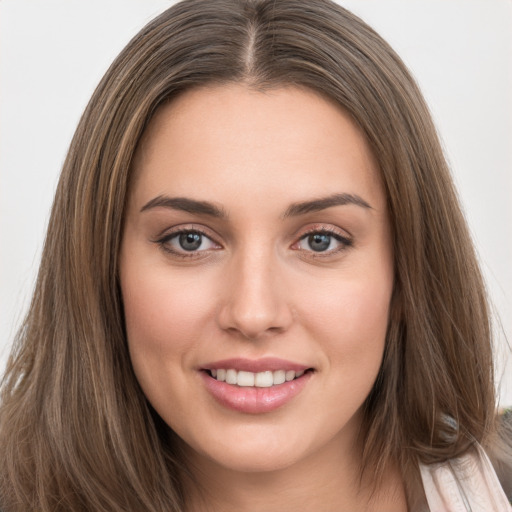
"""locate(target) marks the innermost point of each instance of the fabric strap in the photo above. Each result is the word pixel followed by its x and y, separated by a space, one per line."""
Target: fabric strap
pixel 465 484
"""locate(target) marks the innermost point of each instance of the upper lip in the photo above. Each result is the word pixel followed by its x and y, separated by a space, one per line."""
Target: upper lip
pixel 255 365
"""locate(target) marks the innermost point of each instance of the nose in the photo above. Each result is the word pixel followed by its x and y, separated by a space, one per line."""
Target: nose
pixel 254 300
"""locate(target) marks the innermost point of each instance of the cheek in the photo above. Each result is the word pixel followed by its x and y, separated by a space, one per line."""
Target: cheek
pixel 163 312
pixel 164 316
pixel 351 317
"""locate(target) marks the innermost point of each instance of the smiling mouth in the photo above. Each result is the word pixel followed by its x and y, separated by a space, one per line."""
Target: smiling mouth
pixel 264 379
pixel 255 386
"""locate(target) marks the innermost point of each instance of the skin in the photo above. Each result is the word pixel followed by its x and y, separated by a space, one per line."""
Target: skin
pixel 255 289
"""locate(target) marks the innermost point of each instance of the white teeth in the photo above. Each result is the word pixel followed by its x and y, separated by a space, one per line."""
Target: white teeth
pixel 279 376
pixel 231 377
pixel 245 378
pixel 264 379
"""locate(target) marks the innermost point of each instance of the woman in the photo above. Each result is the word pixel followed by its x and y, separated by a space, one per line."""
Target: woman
pixel 257 289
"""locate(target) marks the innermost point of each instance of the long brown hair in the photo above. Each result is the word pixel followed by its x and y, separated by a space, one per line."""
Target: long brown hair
pixel 76 432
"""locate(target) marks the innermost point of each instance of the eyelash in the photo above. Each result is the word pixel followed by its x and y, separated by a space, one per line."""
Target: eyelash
pixel 163 242
pixel 345 242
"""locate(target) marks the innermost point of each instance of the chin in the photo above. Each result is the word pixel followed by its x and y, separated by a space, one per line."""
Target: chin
pixel 258 461
pixel 242 443
pixel 253 450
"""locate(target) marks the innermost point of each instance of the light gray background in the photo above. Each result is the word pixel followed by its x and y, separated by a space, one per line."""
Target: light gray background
pixel 53 53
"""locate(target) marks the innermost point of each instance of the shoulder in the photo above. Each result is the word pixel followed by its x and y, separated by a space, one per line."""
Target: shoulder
pixel 466 483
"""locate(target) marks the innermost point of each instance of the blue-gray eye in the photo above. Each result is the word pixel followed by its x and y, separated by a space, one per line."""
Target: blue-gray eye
pixel 323 242
pixel 319 242
pixel 187 241
pixel 190 241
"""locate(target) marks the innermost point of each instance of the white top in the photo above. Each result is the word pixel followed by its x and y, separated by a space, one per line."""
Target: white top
pixel 465 484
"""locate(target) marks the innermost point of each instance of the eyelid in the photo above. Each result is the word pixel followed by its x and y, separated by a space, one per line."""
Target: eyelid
pixel 323 228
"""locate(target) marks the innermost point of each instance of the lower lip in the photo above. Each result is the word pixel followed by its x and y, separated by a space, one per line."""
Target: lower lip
pixel 253 400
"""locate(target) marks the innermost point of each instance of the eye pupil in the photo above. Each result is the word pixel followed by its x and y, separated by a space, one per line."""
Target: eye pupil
pixel 190 241
pixel 319 242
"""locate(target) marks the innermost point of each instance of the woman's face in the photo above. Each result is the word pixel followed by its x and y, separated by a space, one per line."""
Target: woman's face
pixel 256 249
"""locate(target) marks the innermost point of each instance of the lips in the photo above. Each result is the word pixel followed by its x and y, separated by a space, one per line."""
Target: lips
pixel 255 386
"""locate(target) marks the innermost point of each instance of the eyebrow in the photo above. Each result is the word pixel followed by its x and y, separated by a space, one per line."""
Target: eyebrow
pixel 186 205
pixel 322 203
pixel 301 208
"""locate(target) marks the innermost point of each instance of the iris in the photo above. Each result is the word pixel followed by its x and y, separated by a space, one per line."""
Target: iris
pixel 190 241
pixel 319 242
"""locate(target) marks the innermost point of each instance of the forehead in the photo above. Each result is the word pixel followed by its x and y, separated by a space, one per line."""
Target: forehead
pixel 286 141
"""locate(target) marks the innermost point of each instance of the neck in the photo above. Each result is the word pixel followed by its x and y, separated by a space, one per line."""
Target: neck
pixel 326 480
